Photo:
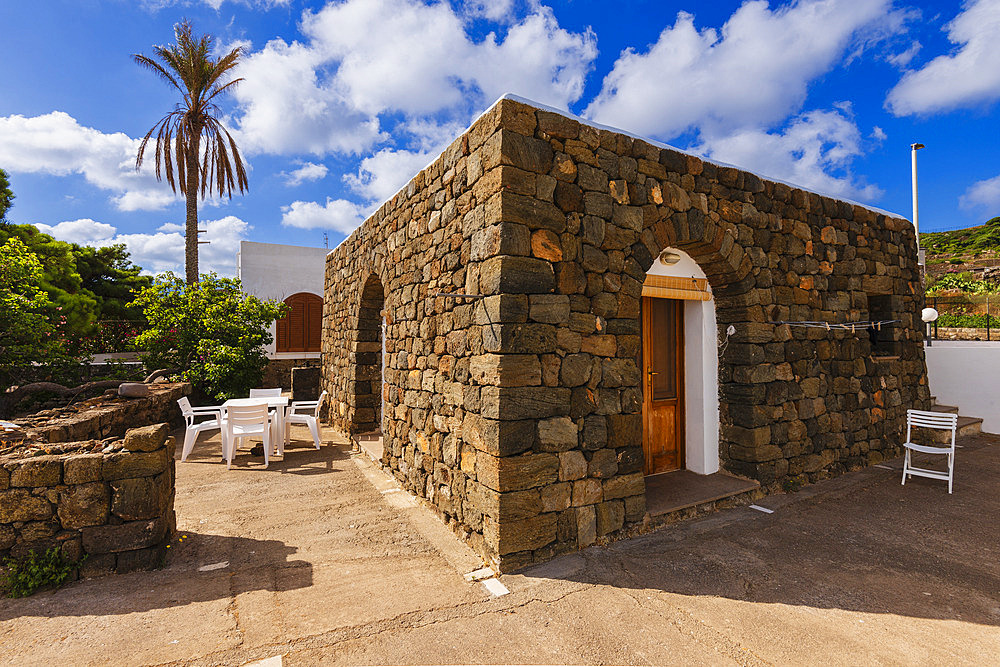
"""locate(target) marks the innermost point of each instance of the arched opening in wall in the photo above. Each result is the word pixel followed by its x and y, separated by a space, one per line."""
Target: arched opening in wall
pixel 299 330
pixel 368 359
pixel 679 366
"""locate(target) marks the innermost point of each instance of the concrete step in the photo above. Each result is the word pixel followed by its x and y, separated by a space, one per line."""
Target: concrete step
pixel 966 426
pixel 944 408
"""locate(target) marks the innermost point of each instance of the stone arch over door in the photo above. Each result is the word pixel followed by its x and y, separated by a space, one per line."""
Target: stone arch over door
pixel 367 359
pixel 714 247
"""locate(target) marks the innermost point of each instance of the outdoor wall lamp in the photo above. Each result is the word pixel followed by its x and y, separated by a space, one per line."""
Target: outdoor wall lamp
pixel 928 315
pixel 669 258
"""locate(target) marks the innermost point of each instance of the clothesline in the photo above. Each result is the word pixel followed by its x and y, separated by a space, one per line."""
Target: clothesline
pixel 848 326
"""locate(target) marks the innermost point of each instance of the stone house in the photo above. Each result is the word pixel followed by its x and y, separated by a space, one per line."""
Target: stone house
pixel 552 311
pixel 292 275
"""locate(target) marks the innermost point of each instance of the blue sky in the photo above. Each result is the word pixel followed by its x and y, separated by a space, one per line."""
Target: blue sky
pixel 344 101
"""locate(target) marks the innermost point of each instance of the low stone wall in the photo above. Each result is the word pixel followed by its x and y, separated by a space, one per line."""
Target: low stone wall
pixel 278 372
pixel 104 417
pixel 963 333
pixel 115 507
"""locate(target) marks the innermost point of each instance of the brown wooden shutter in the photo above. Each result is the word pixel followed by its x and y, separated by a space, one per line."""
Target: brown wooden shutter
pixel 299 330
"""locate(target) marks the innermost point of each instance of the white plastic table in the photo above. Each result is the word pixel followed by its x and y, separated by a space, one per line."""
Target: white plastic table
pixel 279 403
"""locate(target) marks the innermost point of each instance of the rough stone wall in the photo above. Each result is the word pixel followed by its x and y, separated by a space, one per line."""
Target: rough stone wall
pixel 116 508
pixel 108 417
pixel 518 414
pixel 278 372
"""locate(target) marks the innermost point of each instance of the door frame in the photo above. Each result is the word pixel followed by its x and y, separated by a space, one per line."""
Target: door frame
pixel 680 362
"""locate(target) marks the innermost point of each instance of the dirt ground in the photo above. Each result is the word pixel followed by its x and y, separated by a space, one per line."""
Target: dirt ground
pixel 322 559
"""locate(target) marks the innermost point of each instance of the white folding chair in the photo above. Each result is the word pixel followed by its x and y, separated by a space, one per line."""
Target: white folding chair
pixel 192 428
pixel 942 421
pixel 298 413
pixel 265 393
pixel 240 422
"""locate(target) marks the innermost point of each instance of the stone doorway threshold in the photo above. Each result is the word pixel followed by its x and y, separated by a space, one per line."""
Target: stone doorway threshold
pixel 672 491
pixel 370 444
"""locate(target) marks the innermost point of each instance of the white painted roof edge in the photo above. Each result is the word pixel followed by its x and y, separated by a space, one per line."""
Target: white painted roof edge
pixel 282 245
pixel 590 123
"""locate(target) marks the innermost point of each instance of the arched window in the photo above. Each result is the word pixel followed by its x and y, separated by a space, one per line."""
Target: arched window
pixel 299 330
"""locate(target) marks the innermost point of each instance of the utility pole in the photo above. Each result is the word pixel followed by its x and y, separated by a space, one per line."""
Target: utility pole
pixel 916 223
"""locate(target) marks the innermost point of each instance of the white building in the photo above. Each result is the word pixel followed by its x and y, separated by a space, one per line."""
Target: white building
pixel 293 275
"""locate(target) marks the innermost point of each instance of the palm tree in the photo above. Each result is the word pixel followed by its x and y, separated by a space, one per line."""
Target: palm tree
pixel 189 67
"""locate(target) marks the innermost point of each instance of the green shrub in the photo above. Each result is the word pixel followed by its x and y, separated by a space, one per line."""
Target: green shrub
pixel 210 333
pixel 962 281
pixel 26 575
pixel 968 320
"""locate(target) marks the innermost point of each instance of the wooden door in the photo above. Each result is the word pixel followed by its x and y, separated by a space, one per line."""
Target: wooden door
pixel 663 388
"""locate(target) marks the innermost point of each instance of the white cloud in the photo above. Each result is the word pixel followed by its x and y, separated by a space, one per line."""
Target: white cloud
pixel 968 77
pixel 380 176
pixel 753 72
pixel 55 143
pixel 337 214
pixel 491 10
pixel 156 5
pixel 288 104
pixel 982 194
pixel 365 62
pixel 83 231
pixel 903 58
pixel 309 171
pixel 814 151
pixel 164 250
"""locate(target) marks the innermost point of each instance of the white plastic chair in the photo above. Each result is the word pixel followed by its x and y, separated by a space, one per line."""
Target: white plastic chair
pixel 240 422
pixel 192 428
pixel 298 414
pixel 942 421
pixel 265 393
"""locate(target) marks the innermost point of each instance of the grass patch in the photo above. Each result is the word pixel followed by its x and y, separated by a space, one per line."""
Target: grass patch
pixel 33 572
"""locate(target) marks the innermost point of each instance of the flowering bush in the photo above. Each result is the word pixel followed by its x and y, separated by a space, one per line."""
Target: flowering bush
pixel 27 338
pixel 210 333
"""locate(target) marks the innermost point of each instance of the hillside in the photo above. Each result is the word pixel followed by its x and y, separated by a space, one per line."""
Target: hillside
pixel 963 241
pixel 969 249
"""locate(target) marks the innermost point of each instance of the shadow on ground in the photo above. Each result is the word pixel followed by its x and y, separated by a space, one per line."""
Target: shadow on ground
pixel 301 458
pixel 859 542
pixel 230 566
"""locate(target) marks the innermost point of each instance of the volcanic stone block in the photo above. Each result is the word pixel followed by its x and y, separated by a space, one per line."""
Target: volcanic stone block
pixel 38 471
pixel 509 370
pixel 146 438
pixel 549 308
pixel 587 492
pixel 523 152
pixel 623 486
pixel 516 275
pixel 82 468
pixel 527 534
pixel 84 505
pixel 586 525
pixel 19 505
pixel 141 498
pixel 124 537
pixel 572 465
pixel 131 464
pixel 610 517
pixel 515 473
pixel 498 437
pixel 557 434
pixel 556 497
pixel 514 403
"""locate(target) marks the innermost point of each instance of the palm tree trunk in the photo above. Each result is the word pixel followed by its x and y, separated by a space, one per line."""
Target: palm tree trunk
pixel 191 225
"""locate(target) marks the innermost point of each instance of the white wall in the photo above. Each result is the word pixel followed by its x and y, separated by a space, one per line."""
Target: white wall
pixel 274 271
pixel 965 373
pixel 701 372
